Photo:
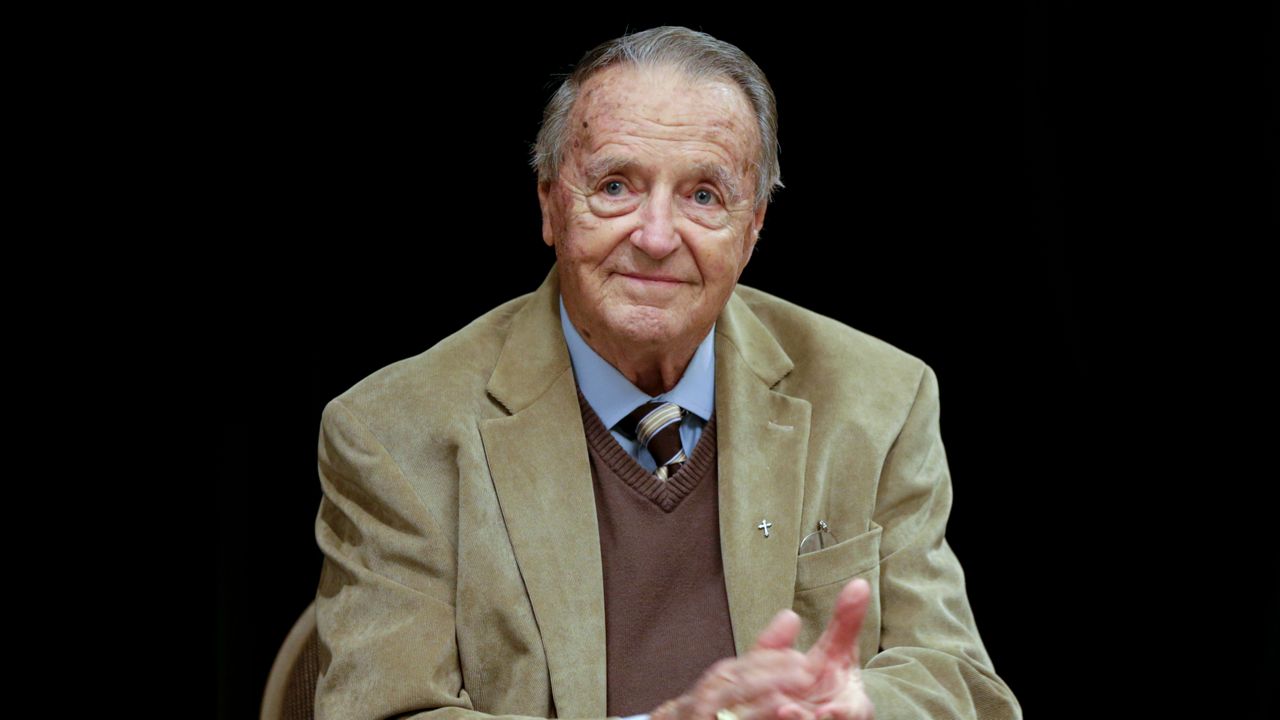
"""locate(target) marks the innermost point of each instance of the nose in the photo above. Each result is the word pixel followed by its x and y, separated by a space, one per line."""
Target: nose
pixel 657 235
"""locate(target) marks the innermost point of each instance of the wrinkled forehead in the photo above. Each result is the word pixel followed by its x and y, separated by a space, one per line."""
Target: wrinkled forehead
pixel 663 102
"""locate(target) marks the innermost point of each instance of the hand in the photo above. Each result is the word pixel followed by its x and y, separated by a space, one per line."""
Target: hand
pixel 837 692
pixel 759 685
pixel 773 681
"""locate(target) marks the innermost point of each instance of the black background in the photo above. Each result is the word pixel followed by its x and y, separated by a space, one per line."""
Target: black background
pixel 980 186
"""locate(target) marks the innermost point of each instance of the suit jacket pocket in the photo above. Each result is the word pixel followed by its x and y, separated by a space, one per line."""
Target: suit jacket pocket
pixel 839 562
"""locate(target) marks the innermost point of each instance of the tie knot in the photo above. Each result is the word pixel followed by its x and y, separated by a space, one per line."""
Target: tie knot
pixel 646 421
pixel 656 424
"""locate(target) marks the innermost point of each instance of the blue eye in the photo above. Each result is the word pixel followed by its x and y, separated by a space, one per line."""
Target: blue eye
pixel 704 197
pixel 613 187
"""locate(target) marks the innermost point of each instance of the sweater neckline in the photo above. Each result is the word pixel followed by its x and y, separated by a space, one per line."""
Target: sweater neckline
pixel 666 494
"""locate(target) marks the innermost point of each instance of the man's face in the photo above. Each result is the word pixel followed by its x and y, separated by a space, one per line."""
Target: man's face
pixel 652 217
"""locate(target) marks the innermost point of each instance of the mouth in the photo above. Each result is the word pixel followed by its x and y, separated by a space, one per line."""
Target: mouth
pixel 658 280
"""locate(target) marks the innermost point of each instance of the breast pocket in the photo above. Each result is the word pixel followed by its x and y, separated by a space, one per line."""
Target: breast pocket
pixel 822 574
pixel 839 562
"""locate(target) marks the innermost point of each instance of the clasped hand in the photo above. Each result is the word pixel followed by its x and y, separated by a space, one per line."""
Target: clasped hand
pixel 774 681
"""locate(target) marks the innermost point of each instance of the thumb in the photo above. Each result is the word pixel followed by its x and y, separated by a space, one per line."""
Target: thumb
pixel 781 632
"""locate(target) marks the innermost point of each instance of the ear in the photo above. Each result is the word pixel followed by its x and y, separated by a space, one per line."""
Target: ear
pixel 545 201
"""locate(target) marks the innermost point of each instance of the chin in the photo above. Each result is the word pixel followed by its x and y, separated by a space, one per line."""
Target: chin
pixel 645 325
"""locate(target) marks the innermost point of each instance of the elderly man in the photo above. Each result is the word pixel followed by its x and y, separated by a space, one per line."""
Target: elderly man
pixel 642 488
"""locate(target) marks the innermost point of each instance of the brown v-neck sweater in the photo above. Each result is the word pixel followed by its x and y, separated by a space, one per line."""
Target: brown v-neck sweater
pixel 666 612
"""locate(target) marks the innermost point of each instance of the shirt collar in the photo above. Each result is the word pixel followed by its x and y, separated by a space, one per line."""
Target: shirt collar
pixel 613 397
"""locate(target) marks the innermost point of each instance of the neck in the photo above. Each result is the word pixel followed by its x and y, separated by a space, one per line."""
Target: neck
pixel 654 375
pixel 654 369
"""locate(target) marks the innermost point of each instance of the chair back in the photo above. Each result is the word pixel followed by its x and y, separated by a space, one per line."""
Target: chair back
pixel 291 686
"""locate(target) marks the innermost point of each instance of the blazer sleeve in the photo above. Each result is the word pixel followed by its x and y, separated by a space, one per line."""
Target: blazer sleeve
pixel 384 605
pixel 932 662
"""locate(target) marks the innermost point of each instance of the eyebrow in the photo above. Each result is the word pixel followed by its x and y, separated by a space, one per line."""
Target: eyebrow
pixel 606 165
pixel 610 164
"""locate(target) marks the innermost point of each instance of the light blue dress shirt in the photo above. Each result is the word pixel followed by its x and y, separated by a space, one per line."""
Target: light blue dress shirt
pixel 613 397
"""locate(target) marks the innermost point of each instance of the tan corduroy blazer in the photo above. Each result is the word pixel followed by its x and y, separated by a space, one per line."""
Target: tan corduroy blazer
pixel 458 524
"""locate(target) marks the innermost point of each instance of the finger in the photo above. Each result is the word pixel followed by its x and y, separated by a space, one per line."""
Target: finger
pixel 781 632
pixel 751 680
pixel 851 703
pixel 839 641
pixel 782 707
pixel 794 711
pixel 846 711
pixel 773 705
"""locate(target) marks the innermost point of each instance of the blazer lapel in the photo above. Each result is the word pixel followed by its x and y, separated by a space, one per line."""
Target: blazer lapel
pixel 538 459
pixel 763 441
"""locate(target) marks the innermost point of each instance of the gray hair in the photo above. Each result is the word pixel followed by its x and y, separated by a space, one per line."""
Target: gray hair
pixel 697 55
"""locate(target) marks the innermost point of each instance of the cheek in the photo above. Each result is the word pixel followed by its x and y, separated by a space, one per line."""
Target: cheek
pixel 590 238
pixel 719 263
pixel 587 225
pixel 579 245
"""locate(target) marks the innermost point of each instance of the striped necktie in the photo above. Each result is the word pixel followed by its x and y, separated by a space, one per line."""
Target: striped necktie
pixel 656 424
